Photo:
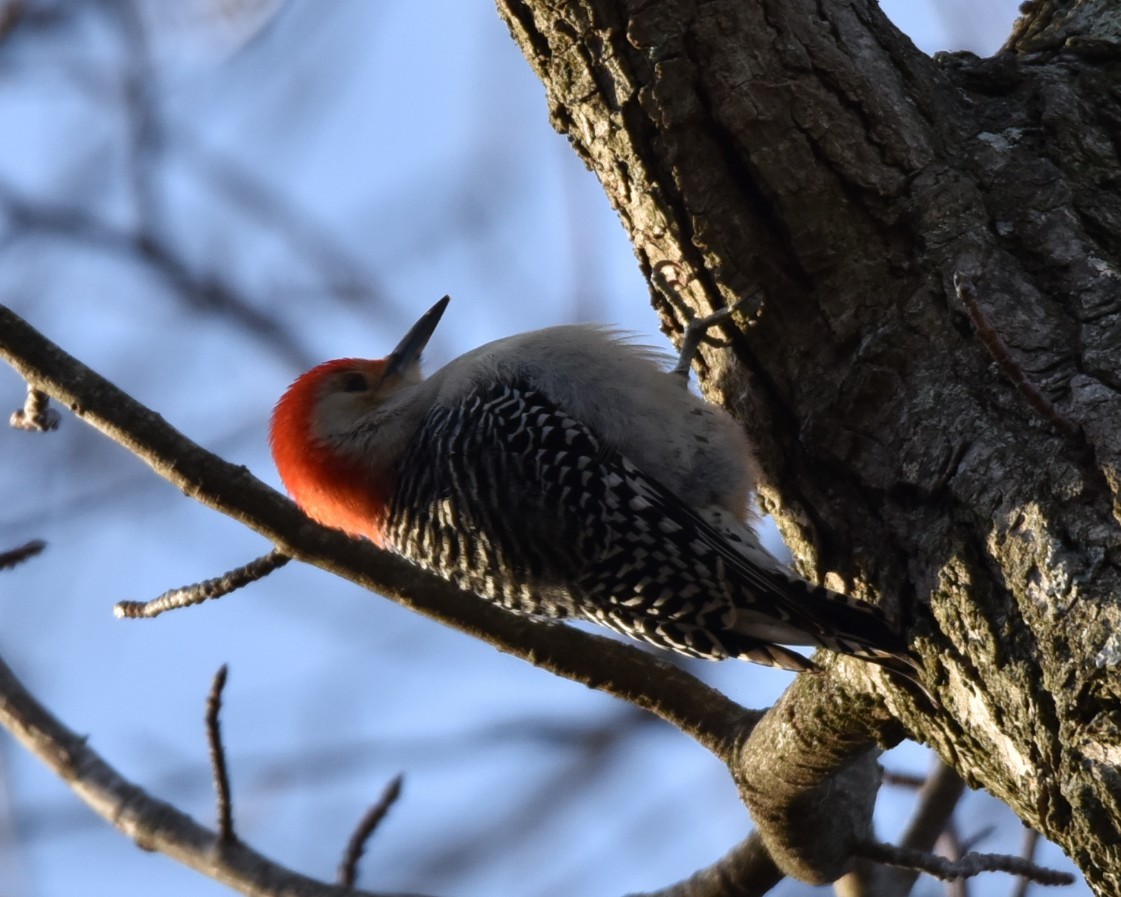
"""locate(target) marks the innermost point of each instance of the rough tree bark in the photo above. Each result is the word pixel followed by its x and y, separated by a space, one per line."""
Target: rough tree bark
pixel 961 465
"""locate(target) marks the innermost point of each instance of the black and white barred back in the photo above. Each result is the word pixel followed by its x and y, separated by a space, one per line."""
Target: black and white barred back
pixel 510 497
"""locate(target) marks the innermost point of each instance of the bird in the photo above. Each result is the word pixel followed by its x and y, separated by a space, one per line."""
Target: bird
pixel 562 473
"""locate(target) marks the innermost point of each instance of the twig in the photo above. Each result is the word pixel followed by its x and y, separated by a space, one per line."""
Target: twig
pixel 153 824
pixel 13 556
pixel 218 757
pixel 348 870
pixel 1002 355
pixel 36 415
pixel 969 865
pixel 696 331
pixel 186 596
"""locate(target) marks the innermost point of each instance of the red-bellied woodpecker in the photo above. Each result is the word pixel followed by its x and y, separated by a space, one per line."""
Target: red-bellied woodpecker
pixel 562 473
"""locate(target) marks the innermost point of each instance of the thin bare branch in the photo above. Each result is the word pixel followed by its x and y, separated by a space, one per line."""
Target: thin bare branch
pixel 969 865
pixel 36 415
pixel 151 823
pixel 348 869
pixel 187 596
pixel 745 871
pixel 218 757
pixel 14 556
pixel 938 798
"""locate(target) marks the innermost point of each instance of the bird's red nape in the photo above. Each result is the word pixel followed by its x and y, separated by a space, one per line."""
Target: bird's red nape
pixel 330 488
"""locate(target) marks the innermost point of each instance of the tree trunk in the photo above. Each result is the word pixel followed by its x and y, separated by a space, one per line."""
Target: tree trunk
pixel 955 457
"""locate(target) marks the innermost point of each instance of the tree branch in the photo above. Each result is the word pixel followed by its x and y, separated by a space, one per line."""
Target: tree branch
pixel 15 556
pixel 216 587
pixel 151 823
pixel 367 826
pixel 809 775
pixel 969 865
pixel 747 870
pixel 222 794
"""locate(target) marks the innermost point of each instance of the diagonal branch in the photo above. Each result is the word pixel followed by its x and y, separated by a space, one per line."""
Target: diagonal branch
pixel 747 870
pixel 809 775
pixel 966 867
pixel 621 670
pixel 187 596
pixel 15 556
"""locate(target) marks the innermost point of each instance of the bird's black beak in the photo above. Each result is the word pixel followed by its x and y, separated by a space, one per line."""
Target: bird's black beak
pixel 407 353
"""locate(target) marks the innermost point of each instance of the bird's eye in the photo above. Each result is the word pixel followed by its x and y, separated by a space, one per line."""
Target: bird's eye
pixel 355 383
